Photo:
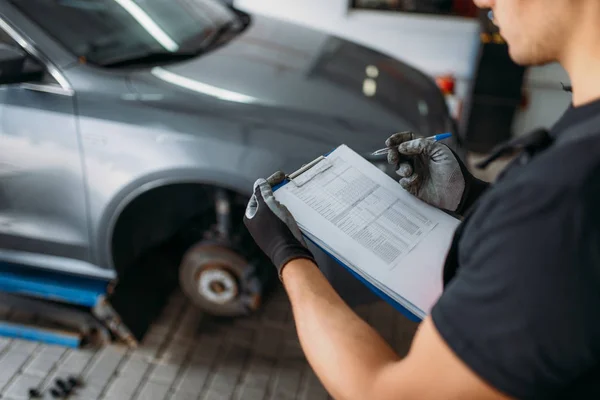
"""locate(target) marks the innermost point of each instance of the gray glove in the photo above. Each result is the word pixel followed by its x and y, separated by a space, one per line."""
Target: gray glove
pixel 429 170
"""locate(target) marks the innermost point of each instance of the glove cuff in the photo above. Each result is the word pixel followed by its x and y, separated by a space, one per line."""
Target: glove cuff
pixel 474 187
pixel 282 254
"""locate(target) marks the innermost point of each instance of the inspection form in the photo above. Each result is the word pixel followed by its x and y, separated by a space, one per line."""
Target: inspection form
pixel 364 219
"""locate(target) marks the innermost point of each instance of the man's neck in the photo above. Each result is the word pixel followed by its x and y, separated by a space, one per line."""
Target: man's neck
pixel 582 63
pixel 585 79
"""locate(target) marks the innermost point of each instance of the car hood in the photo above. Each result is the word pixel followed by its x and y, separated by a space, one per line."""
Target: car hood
pixel 304 81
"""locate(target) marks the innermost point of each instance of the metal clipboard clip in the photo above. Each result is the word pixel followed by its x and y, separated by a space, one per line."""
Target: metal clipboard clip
pixel 310 170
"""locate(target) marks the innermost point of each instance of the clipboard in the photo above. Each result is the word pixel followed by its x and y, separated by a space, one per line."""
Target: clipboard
pixel 399 307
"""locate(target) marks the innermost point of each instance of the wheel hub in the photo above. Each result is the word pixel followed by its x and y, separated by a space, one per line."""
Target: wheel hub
pixel 216 284
pixel 220 281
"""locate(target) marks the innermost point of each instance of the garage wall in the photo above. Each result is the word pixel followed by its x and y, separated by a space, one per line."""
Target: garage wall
pixel 545 97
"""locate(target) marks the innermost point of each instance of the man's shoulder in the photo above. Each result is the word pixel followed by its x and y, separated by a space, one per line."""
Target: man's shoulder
pixel 559 191
pixel 528 257
pixel 565 171
pixel 569 164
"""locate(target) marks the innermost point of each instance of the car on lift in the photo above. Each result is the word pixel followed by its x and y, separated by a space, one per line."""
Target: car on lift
pixel 128 124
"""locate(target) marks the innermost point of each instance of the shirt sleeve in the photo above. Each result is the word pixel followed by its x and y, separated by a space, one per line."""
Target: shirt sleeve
pixel 522 310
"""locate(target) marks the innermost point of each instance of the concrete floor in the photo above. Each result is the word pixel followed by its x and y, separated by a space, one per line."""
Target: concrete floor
pixel 188 356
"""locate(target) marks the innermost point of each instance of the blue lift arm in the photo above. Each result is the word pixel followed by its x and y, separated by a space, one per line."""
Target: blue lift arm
pixel 60 288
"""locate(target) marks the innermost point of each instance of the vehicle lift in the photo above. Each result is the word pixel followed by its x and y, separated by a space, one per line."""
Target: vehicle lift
pixel 78 305
pixel 76 311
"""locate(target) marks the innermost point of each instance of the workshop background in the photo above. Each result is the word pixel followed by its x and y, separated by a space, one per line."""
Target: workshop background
pixel 185 352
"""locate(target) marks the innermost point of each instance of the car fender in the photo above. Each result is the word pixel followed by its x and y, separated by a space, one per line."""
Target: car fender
pixel 238 178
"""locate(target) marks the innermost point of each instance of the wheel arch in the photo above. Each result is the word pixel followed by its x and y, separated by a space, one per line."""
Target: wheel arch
pixel 137 190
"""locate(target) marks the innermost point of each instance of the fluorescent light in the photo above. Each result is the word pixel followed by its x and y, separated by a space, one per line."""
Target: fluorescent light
pixel 200 87
pixel 149 25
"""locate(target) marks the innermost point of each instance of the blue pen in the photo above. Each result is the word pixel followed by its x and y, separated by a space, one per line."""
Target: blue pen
pixel 435 138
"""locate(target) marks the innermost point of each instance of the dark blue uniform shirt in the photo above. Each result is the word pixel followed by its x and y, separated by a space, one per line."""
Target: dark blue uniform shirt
pixel 521 305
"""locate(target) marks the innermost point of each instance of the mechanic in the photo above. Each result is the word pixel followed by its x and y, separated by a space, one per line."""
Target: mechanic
pixel 518 317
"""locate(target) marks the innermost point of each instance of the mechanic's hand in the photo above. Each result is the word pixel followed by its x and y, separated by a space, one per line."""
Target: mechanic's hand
pixel 429 170
pixel 273 227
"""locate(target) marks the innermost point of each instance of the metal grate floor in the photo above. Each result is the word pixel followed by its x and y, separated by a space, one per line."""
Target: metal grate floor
pixel 188 356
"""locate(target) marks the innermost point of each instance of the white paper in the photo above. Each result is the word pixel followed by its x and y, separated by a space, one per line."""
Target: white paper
pixel 364 218
pixel 320 167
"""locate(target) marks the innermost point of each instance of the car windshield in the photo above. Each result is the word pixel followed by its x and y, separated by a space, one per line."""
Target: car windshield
pixel 107 32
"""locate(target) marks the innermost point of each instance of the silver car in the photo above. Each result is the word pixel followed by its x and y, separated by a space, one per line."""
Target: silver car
pixel 127 126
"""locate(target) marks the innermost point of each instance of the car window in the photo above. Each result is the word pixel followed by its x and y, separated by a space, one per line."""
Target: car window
pixel 7 40
pixel 108 31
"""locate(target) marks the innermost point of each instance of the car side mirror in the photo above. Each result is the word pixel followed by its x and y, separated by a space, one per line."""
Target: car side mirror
pixel 16 66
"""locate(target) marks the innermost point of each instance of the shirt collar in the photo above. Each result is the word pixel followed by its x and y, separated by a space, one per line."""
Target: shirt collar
pixel 541 139
pixel 575 115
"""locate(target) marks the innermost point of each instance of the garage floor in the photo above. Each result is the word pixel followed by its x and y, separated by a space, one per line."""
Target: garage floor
pixel 187 356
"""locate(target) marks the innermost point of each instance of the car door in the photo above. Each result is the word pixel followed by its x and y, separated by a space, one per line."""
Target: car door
pixel 42 192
